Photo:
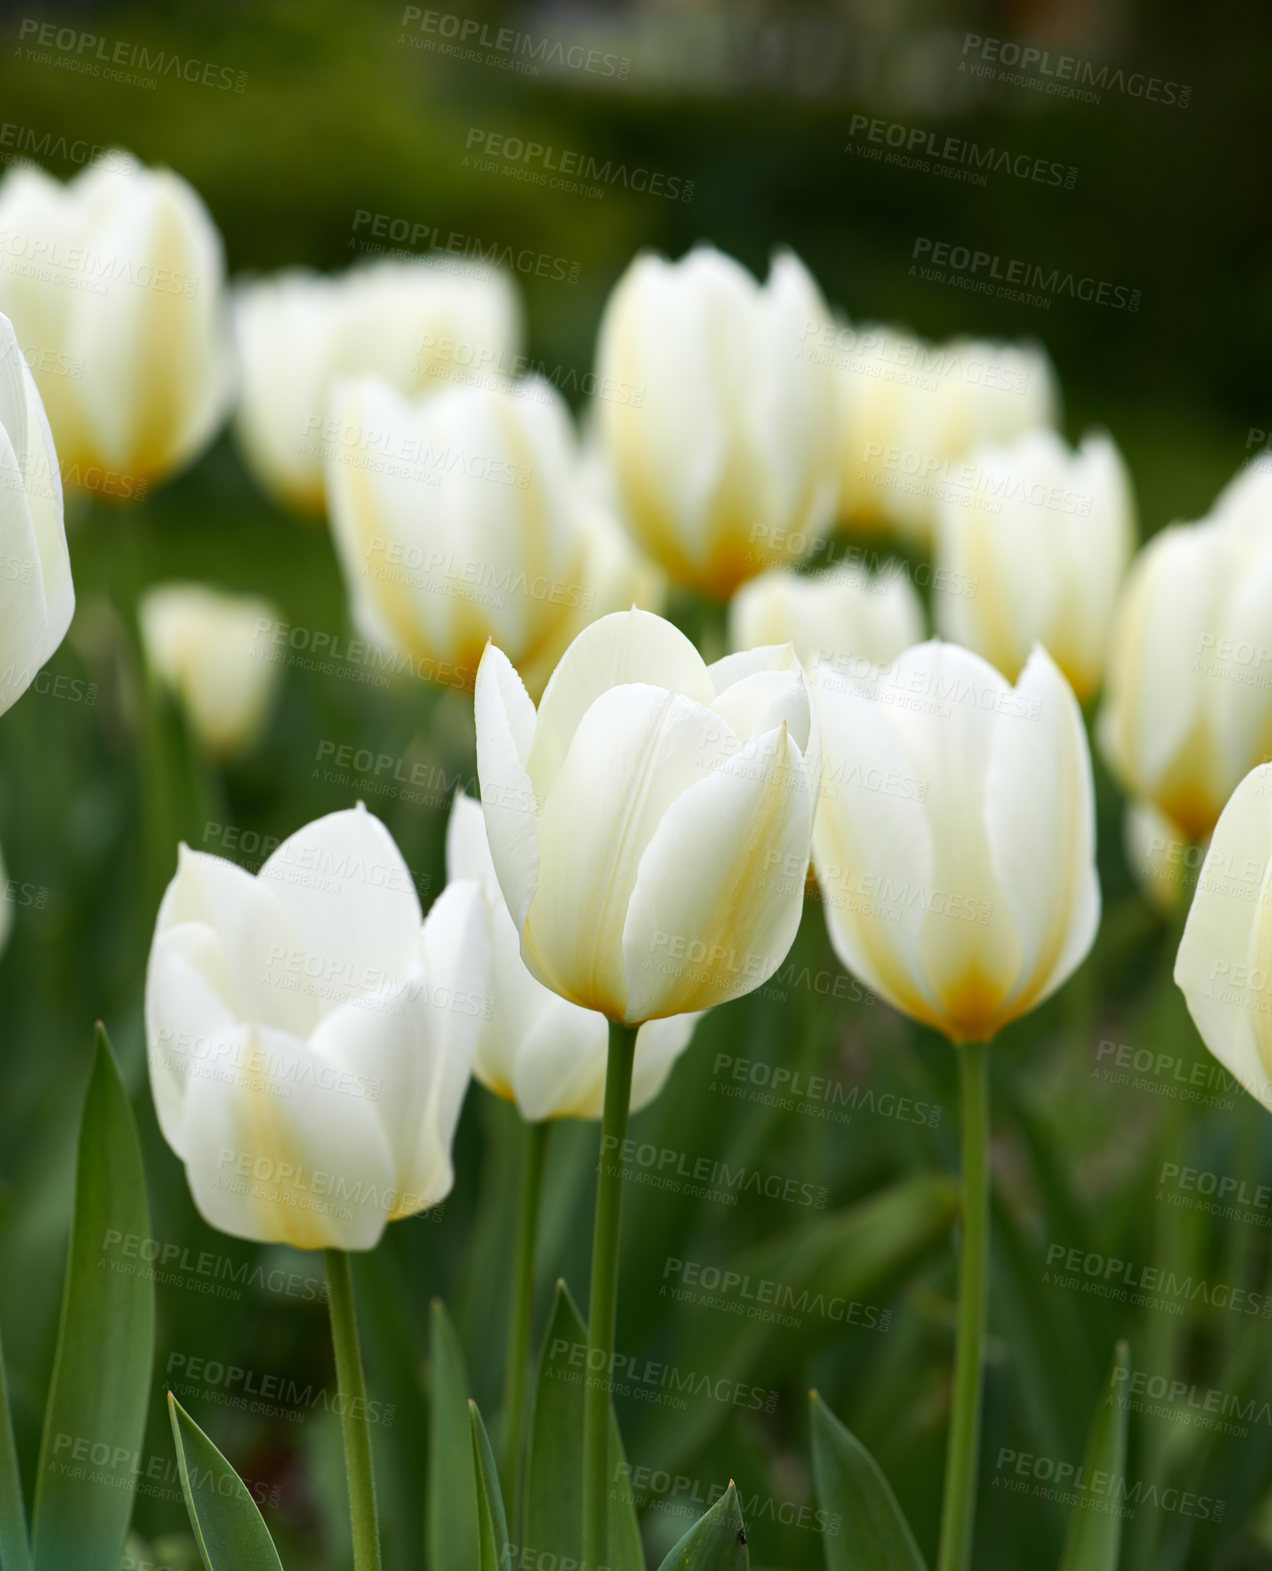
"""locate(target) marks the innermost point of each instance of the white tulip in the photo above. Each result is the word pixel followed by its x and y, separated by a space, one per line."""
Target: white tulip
pixel 1246 500
pixel 310 1041
pixel 908 410
pixel 537 1049
pixel 1188 691
pixel 955 839
pixel 1032 545
pixel 455 517
pixel 1222 967
pixel 724 456
pixel 299 332
pixel 845 613
pixel 115 285
pixel 204 646
pixel 650 824
pixel 37 598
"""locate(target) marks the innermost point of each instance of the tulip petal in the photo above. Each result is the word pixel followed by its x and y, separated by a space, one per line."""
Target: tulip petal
pixel 1040 773
pixel 292 1158
pixel 191 1028
pixel 720 887
pixel 505 722
pixel 1223 963
pixel 659 1043
pixel 626 646
pixel 636 750
pixel 352 900
pixel 561 1063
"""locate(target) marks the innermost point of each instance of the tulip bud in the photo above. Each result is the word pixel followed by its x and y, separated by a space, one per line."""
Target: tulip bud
pixel 412 323
pixel 537 1049
pixel 843 614
pixel 455 517
pixel 650 824
pixel 723 457
pixel 203 645
pixel 120 299
pixel 1033 541
pixel 1222 967
pixel 1188 692
pixel 955 840
pixel 309 1041
pixel 907 411
pixel 37 597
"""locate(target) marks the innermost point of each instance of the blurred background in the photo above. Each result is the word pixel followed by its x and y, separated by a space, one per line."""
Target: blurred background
pixel 345 128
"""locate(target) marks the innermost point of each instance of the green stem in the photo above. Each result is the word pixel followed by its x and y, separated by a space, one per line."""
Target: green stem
pixel 353 1415
pixel 536 1145
pixel 603 1303
pixel 959 1503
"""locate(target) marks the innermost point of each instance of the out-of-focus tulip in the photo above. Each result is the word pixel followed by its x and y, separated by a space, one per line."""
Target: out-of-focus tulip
pixel 37 598
pixel 908 410
pixel 537 1049
pixel 614 577
pixel 1162 860
pixel 724 455
pixel 955 839
pixel 1188 690
pixel 310 1041
pixel 650 824
pixel 1223 967
pixel 204 646
pixel 298 332
pixel 456 519
pixel 845 613
pixel 1032 546
pixel 115 283
pixel 1246 500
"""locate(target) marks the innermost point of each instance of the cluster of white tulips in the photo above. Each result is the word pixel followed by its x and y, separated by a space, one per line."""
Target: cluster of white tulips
pixel 649 821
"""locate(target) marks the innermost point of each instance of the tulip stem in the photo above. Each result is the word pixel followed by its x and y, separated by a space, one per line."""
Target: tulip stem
pixel 353 1415
pixel 535 1147
pixel 603 1303
pixel 959 1504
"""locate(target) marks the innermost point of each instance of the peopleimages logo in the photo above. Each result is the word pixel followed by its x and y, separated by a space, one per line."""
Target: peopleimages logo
pixel 985 272
pixel 1066 76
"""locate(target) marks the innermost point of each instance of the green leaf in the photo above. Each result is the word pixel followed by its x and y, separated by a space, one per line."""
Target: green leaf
pixel 832 1272
pixel 228 1528
pixel 96 1417
pixel 872 1533
pixel 452 1474
pixel 716 1541
pixel 1094 1538
pixel 15 1553
pixel 492 1524
pixel 554 1464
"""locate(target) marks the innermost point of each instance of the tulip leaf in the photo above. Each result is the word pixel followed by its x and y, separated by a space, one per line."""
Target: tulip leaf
pixel 801 1290
pixel 1094 1538
pixel 492 1523
pixel 554 1463
pixel 96 1417
pixel 15 1553
pixel 716 1541
pixel 230 1531
pixel 452 1473
pixel 872 1533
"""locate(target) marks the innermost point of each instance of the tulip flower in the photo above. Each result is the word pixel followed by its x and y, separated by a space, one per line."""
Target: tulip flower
pixel 299 332
pixel 1188 692
pixel 203 646
pixel 115 285
pixel 310 1038
pixel 1033 541
pixel 548 1056
pixel 723 457
pixel 1222 967
pixel 955 853
pixel 845 613
pixel 37 598
pixel 455 518
pixel 908 410
pixel 649 827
